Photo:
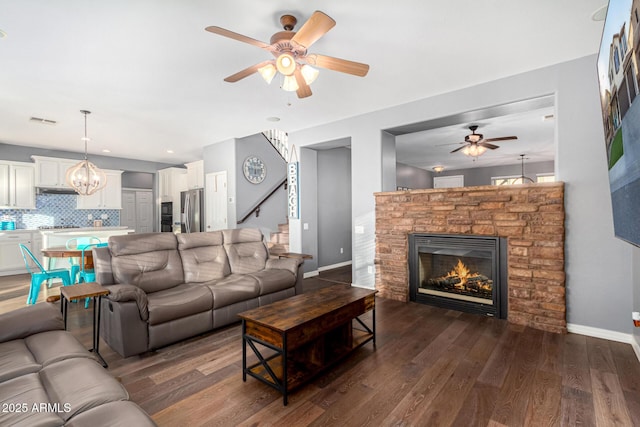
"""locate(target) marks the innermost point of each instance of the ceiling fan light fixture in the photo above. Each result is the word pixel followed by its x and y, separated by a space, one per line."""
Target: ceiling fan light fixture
pixel 474 150
pixel 290 84
pixel 268 72
pixel 309 73
pixel 286 64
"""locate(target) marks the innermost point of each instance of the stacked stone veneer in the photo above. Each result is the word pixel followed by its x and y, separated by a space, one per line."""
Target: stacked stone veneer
pixel 531 217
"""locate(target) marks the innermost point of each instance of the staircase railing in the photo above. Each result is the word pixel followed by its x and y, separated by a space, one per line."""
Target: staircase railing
pixel 256 207
pixel 279 140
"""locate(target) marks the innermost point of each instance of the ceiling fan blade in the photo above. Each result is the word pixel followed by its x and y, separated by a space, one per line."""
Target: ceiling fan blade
pixel 246 72
pixel 315 27
pixel 303 88
pixel 449 143
pixel 239 37
pixel 337 64
pixel 502 138
pixel 458 149
pixel 487 145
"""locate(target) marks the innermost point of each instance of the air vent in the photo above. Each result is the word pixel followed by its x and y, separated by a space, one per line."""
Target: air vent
pixel 43 121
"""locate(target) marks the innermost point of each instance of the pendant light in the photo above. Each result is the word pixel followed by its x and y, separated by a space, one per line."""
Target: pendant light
pixel 85 177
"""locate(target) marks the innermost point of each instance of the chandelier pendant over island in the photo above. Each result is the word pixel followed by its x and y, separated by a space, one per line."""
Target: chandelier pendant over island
pixel 85 177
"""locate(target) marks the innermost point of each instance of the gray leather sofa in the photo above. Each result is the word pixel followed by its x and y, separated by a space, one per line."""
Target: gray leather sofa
pixel 47 378
pixel 165 287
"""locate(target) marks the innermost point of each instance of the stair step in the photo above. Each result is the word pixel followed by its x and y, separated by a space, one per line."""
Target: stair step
pixel 280 238
pixel 283 228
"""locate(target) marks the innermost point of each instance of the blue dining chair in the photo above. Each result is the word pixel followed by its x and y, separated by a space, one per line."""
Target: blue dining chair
pixel 37 277
pixel 87 274
pixel 78 243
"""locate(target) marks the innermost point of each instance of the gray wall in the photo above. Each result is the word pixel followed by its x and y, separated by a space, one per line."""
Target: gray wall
pixel 274 210
pixel 309 210
pixel 137 180
pixel 598 266
pixel 412 177
pixel 229 156
pixel 18 153
pixel 218 158
pixel 334 206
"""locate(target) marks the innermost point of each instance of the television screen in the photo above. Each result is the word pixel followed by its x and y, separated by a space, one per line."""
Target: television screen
pixel 618 63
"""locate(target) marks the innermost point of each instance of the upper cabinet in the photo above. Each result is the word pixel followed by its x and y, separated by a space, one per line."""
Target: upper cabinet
pixel 195 174
pixel 171 182
pixel 110 197
pixel 51 172
pixel 17 190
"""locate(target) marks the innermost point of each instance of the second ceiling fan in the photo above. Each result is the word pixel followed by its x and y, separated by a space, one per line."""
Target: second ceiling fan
pixel 292 59
pixel 475 144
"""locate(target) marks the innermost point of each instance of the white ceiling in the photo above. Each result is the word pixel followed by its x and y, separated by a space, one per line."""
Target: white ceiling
pixel 153 77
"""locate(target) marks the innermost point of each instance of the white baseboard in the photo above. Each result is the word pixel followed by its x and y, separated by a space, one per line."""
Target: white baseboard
pixel 314 273
pixel 607 335
pixel 332 266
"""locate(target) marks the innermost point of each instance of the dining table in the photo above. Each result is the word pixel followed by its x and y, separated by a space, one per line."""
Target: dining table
pixel 64 252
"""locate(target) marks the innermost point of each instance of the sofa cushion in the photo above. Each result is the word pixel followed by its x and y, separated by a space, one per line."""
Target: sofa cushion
pixel 149 261
pixel 203 256
pixel 180 301
pixel 79 385
pixel 16 360
pixel 29 320
pixel 129 414
pixel 19 395
pixel 54 346
pixel 232 289
pixel 274 280
pixel 245 249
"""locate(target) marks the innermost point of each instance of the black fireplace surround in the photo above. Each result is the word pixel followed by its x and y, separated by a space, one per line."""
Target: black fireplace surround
pixel 459 272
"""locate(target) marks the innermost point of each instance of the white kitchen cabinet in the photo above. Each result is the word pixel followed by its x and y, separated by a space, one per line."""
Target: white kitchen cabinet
pixel 110 197
pixel 171 182
pixel 11 261
pixel 17 189
pixel 51 172
pixel 195 174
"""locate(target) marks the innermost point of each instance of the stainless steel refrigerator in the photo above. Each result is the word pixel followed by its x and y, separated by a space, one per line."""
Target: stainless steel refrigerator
pixel 192 211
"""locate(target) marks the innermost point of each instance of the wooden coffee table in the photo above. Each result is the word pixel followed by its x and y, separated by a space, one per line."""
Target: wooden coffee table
pixel 296 338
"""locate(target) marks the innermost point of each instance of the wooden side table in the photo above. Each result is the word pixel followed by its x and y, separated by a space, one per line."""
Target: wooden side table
pixel 293 255
pixel 82 291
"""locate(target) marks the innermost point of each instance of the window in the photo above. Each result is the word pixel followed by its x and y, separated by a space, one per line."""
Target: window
pixel 623 43
pixel 545 177
pixel 506 180
pixel 635 13
pixel 616 59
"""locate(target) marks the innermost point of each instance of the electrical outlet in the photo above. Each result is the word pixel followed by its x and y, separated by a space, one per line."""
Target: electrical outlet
pixel 370 269
pixel 89 216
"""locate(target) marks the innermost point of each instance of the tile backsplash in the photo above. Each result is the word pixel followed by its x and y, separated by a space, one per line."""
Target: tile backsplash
pixel 60 209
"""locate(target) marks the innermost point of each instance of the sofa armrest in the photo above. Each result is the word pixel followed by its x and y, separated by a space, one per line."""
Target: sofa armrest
pixel 290 264
pixel 30 320
pixel 123 292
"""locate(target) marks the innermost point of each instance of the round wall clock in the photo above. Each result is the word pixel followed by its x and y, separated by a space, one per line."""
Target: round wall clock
pixel 254 169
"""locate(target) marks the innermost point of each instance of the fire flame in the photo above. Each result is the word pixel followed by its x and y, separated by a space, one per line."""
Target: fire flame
pixel 462 272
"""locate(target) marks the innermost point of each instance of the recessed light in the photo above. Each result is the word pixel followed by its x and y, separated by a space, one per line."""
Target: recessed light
pixel 273 119
pixel 599 14
pixel 548 117
pixel 170 151
pixel 106 150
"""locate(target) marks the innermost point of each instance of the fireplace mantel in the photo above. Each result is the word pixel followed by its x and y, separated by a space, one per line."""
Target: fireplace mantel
pixel 530 217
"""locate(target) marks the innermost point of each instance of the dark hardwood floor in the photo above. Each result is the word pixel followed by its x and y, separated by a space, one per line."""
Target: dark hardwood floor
pixel 431 367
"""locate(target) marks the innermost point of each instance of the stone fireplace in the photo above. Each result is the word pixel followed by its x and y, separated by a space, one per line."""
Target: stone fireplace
pixel 529 217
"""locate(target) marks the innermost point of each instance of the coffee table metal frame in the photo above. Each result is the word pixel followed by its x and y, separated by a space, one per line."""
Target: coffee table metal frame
pixel 80 292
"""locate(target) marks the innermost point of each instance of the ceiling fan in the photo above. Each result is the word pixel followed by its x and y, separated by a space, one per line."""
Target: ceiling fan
pixel 475 144
pixel 292 59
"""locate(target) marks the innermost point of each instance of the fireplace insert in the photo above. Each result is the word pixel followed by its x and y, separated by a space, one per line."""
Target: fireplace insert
pixel 459 272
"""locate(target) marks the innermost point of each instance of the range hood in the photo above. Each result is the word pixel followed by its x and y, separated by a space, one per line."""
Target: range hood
pixel 54 190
